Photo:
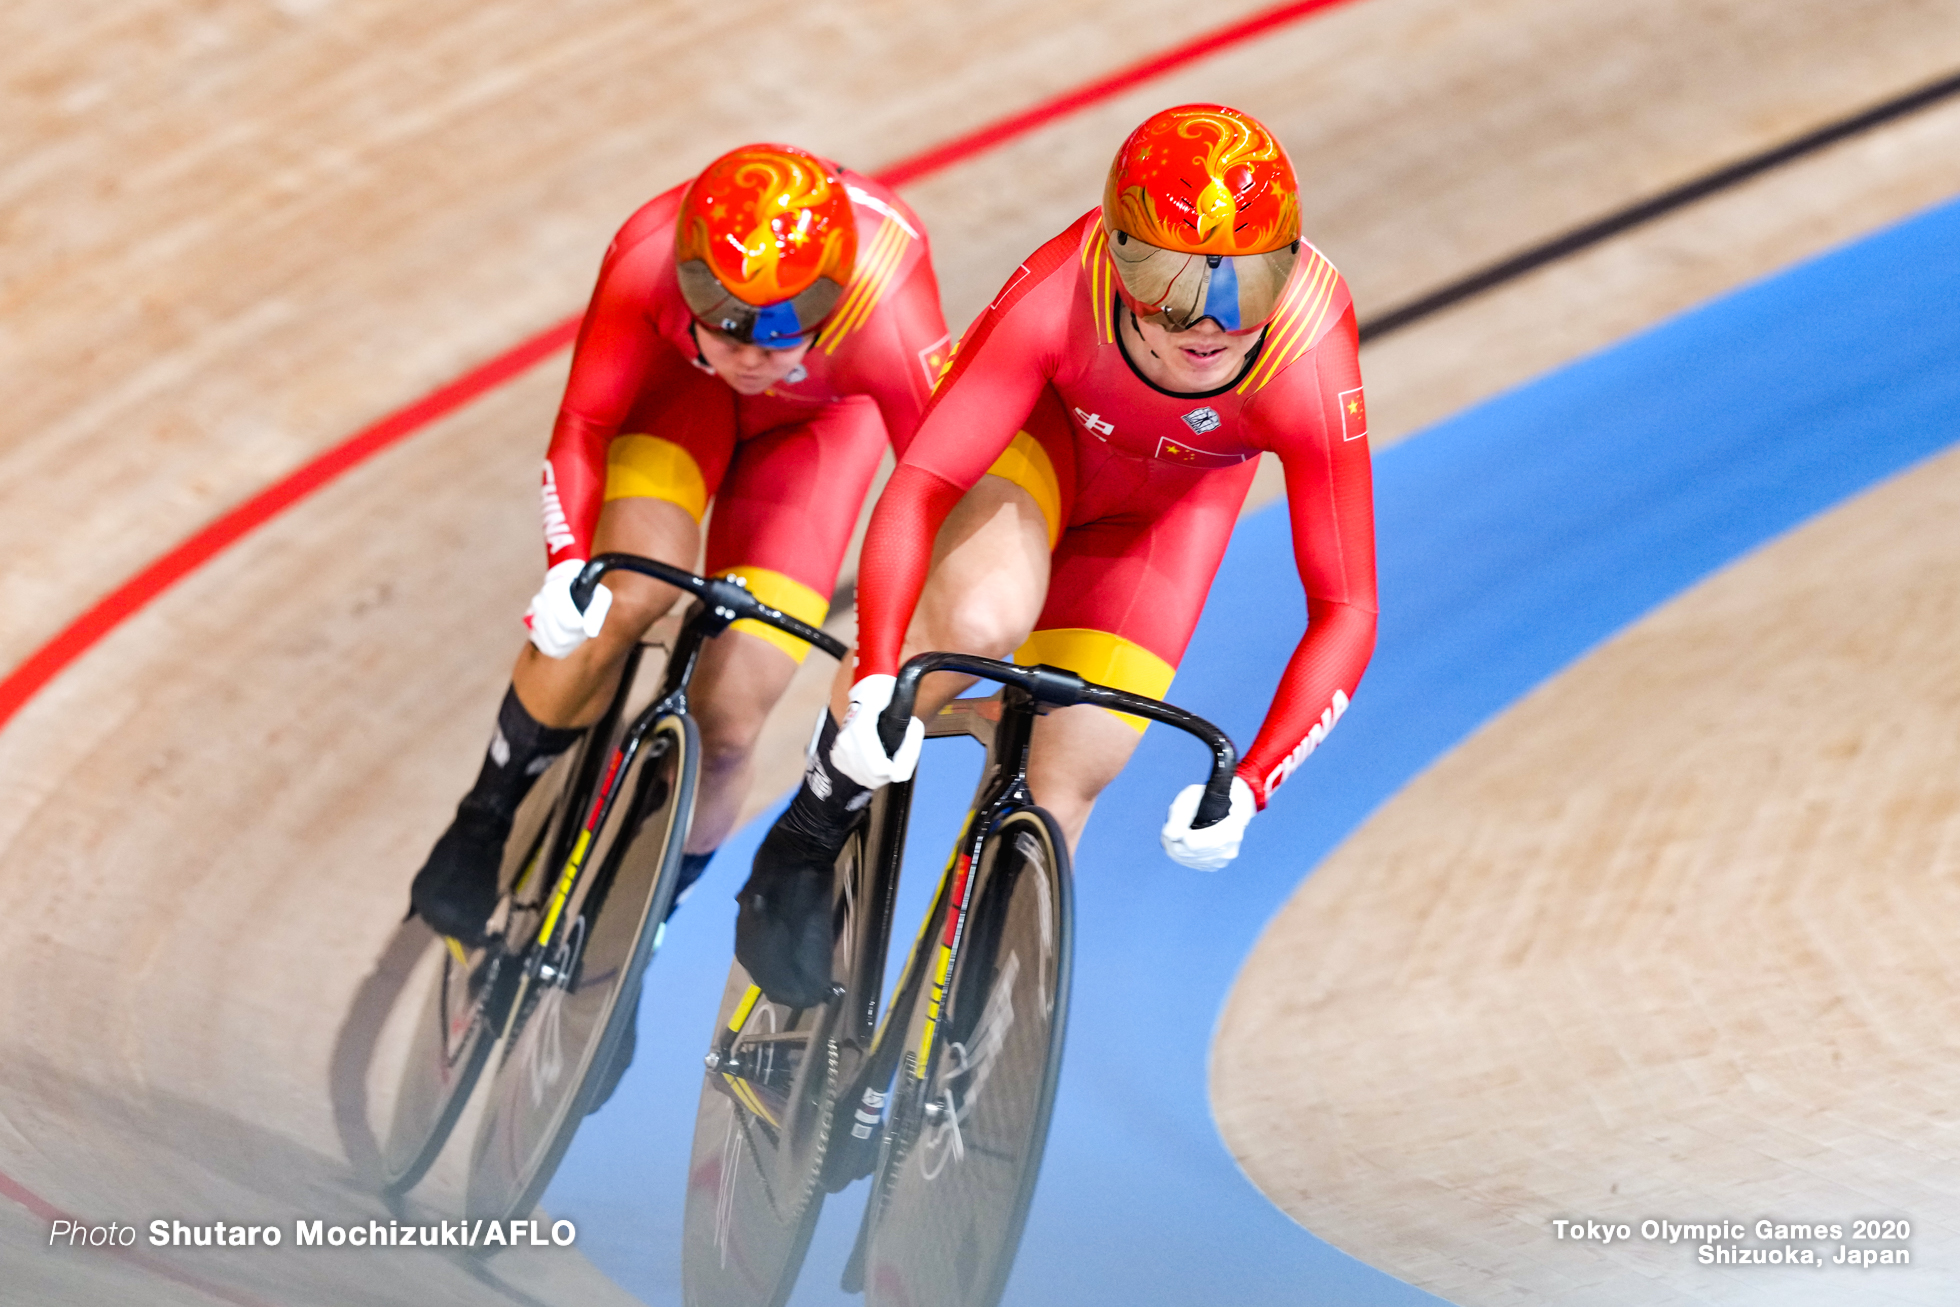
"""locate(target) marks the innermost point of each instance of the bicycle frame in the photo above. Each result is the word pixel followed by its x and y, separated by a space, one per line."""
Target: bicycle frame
pixel 723 601
pixel 1005 725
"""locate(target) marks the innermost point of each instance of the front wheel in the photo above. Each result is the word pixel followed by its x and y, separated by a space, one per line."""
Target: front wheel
pixel 968 1133
pixel 579 989
pixel 763 1128
pixel 463 1013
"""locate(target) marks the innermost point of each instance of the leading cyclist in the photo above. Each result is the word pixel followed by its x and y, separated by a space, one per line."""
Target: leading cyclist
pixel 756 338
pixel 1071 492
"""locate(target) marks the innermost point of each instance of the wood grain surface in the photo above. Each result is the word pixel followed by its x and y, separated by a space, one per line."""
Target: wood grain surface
pixel 1669 939
pixel 237 231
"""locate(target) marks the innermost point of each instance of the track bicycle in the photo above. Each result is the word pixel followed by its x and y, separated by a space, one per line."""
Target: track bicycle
pixel 944 1096
pixel 592 866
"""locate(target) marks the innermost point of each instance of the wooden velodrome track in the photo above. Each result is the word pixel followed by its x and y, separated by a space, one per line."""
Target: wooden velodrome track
pixel 236 232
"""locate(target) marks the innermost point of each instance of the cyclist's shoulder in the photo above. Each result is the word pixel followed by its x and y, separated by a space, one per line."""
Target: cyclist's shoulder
pixel 1315 310
pixel 874 204
pixel 1040 296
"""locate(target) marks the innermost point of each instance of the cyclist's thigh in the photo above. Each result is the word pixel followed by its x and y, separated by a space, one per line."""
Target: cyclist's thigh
pixel 661 471
pixel 1076 752
pixel 1128 587
pixel 990 570
pixel 1132 571
pixel 652 528
pixel 788 506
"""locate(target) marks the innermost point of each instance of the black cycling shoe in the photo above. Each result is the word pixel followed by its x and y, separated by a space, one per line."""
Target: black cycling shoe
pixel 783 932
pixel 456 890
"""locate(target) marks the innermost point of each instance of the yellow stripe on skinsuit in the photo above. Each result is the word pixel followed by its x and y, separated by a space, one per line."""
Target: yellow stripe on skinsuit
pixel 647 467
pixel 868 283
pixel 1295 326
pixel 1099 283
pixel 1103 658
pixel 854 293
pixel 786 595
pixel 1285 327
pixel 880 280
pixel 886 252
pixel 1027 465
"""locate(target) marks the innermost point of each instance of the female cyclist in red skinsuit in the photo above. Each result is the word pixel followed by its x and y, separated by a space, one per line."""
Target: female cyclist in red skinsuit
pixel 1073 486
pixel 756 339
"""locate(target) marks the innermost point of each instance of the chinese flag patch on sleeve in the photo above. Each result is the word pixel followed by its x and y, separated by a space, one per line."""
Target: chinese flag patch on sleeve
pixel 1354 414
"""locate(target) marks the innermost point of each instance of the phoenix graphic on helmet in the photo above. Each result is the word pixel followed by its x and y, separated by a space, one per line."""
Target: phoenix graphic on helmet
pixel 1203 214
pixel 765 244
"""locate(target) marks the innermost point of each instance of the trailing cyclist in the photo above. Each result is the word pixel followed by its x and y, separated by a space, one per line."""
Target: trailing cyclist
pixel 1071 492
pixel 757 337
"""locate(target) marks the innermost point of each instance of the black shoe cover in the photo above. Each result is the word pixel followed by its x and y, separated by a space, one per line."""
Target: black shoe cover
pixel 456 890
pixel 783 933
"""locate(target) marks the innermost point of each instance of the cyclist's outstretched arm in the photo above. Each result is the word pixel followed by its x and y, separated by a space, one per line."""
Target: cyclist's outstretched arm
pixel 1323 448
pixel 1005 359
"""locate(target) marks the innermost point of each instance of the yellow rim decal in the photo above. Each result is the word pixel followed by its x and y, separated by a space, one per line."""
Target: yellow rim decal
pixel 647 467
pixel 1104 658
pixel 563 889
pixel 786 595
pixel 746 1006
pixel 530 870
pixel 748 1098
pixel 1027 465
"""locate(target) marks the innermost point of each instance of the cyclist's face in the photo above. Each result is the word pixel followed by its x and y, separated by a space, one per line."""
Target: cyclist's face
pixel 1204 357
pixel 748 369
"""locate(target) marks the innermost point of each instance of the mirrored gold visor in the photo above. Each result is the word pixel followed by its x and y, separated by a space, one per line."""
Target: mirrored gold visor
pixel 1175 290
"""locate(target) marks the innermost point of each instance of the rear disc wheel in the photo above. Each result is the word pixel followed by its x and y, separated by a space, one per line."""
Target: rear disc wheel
pixel 579 992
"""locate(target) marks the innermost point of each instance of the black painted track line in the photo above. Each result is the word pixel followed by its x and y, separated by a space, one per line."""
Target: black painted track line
pixel 1593 233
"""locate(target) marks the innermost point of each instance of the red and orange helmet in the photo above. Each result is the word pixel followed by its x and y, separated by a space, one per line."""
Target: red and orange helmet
pixel 1203 214
pixel 765 243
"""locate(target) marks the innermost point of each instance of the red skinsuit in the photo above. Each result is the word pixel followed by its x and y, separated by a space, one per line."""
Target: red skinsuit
pixel 1150 495
pixel 792 465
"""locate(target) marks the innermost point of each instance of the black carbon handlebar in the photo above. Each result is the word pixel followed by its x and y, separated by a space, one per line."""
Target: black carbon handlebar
pixel 730 597
pixel 1063 689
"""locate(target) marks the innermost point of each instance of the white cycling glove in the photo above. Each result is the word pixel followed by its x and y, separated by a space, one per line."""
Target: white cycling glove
pixel 1214 846
pixel 859 753
pixel 557 626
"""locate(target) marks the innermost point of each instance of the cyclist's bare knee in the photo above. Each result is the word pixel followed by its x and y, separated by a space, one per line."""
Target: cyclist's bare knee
pixel 1076 753
pixel 728 738
pixel 983 622
pixel 740 678
pixel 989 574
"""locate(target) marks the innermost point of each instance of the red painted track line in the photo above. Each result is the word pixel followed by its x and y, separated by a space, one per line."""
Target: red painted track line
pixel 127 599
pixel 135 1256
pixel 1006 129
pixel 116 607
